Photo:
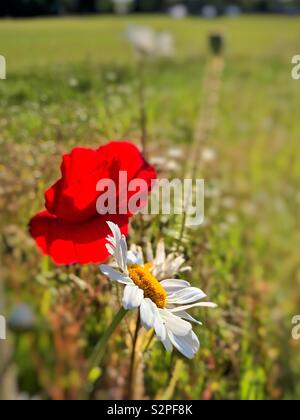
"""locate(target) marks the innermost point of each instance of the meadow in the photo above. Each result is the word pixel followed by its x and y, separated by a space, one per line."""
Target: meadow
pixel 72 81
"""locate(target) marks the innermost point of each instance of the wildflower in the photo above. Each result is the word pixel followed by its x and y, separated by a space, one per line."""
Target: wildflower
pixel 71 230
pixel 165 44
pixel 142 39
pixel 151 288
pixel 208 155
pixel 147 42
pixel 162 164
pixel 176 153
pixel 73 82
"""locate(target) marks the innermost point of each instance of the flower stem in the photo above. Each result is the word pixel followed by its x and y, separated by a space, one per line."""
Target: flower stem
pixel 100 348
pixel 205 126
pixel 132 359
pixel 142 106
pixel 149 342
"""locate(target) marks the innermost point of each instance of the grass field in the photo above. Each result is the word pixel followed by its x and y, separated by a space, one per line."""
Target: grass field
pixel 44 42
pixel 72 82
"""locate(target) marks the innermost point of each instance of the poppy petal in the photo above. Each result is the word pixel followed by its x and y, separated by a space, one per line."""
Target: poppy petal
pixel 73 198
pixel 81 243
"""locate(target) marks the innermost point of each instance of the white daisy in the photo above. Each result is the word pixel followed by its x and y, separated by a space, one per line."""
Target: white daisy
pixel 142 39
pixel 147 42
pixel 161 299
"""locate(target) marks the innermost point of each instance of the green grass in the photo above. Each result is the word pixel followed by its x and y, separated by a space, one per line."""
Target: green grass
pixel 72 81
pixel 44 42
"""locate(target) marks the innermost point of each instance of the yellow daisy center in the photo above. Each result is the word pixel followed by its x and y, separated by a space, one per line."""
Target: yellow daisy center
pixel 145 280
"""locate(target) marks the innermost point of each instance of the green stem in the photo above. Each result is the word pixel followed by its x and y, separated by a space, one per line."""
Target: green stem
pixel 149 342
pixel 142 106
pixel 132 359
pixel 100 348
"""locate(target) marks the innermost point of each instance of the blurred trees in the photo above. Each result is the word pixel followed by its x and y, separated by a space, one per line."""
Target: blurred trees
pixel 28 7
pixel 151 5
pixel 50 7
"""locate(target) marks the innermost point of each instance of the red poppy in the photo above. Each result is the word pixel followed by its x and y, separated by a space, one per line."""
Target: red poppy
pixel 71 230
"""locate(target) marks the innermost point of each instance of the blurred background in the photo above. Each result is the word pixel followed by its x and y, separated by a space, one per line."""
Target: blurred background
pixel 216 76
pixel 60 7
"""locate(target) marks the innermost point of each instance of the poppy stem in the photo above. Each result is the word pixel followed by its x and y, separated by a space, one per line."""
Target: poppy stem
pixel 99 351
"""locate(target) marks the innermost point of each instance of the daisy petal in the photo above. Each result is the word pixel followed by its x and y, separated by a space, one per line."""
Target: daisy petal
pixel 167 344
pixel 119 256
pixel 117 246
pixel 132 297
pixel 159 327
pixel 176 263
pixel 124 250
pixel 115 231
pixel 110 249
pixel 149 253
pixel 185 296
pixel 175 324
pixel 137 250
pixel 186 269
pixel 160 253
pixel 148 313
pixel 111 240
pixel 187 317
pixel 187 345
pixel 194 305
pixel 115 275
pixel 174 285
pixel 132 258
